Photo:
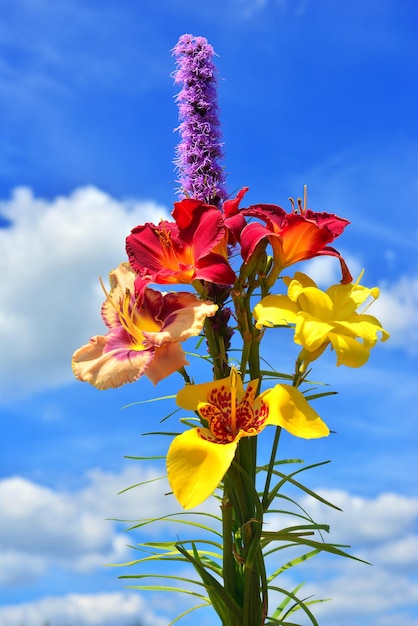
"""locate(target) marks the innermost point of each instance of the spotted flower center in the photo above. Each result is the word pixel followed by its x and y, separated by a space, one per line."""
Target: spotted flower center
pixel 227 416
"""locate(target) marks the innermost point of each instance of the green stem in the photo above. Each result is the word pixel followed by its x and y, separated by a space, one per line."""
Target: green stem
pixel 266 500
pixel 217 351
pixel 230 577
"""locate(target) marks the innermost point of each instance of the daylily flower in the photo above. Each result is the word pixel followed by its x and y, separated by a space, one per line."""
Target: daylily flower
pixel 198 458
pixel 324 318
pixel 192 247
pixel 293 236
pixel 144 333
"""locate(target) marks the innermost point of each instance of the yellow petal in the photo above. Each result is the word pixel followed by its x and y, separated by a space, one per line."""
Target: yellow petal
pixel 289 409
pixel 349 351
pixel 310 332
pixel 275 311
pixel 196 466
pixel 301 278
pixel 312 300
pixel 191 395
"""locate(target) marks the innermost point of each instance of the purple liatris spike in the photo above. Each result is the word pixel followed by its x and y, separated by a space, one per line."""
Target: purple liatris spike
pixel 200 147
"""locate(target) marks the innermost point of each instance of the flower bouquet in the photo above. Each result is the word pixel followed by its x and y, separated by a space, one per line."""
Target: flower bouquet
pixel 235 263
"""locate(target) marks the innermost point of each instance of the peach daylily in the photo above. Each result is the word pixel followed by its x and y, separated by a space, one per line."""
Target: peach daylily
pixel 145 331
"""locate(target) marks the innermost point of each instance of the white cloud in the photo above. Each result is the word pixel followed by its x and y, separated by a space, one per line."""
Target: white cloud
pixel 41 528
pixel 52 257
pixel 382 530
pixel 326 270
pixel 374 596
pixel 104 609
pixel 397 309
pixel 360 523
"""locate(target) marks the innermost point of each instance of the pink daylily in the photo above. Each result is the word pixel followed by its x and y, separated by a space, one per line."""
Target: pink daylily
pixel 145 331
pixel 192 247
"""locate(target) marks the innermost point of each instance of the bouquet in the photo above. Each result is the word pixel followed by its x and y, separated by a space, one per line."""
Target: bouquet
pixel 239 291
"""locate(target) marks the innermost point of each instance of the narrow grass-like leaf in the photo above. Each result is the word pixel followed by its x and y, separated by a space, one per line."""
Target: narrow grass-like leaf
pixel 193 608
pixel 292 563
pixel 301 604
pixel 220 599
pixel 145 482
pixel 176 518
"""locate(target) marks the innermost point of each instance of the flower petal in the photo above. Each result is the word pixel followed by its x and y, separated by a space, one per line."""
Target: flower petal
pixel 311 332
pixel 275 311
pixel 215 269
pixel 196 466
pixel 311 299
pixel 106 369
pixel 349 351
pixel 182 315
pixel 167 359
pixel 289 409
pixel 191 395
pixel 120 279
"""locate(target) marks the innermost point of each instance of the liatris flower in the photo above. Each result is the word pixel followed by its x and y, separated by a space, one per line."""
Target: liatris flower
pixel 200 148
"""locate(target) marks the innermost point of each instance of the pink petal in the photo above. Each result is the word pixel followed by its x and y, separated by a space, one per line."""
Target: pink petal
pixel 183 316
pixel 104 369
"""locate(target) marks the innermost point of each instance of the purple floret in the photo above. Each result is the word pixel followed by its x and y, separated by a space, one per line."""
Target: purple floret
pixel 200 147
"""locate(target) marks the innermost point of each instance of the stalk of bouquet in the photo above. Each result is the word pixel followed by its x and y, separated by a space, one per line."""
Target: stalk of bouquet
pixel 234 261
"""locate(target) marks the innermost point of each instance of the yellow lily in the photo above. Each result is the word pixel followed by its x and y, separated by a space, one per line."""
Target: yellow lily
pixel 198 459
pixel 323 318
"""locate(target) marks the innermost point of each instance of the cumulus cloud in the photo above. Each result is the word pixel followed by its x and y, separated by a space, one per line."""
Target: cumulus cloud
pixel 326 270
pixel 52 256
pixel 383 531
pixel 106 609
pixel 397 309
pixel 41 528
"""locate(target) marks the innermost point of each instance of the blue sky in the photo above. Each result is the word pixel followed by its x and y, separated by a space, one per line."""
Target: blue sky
pixel 311 92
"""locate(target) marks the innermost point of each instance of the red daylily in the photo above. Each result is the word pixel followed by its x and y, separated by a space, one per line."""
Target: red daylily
pixel 192 247
pixel 234 218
